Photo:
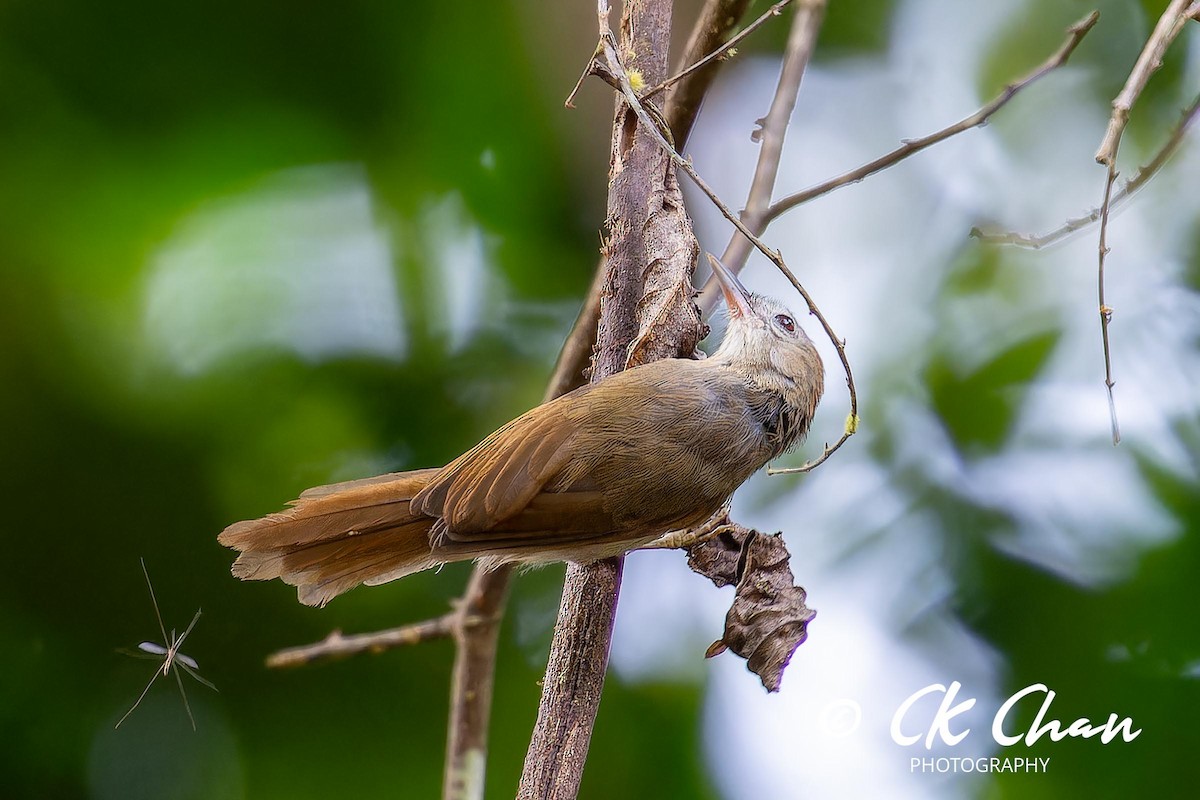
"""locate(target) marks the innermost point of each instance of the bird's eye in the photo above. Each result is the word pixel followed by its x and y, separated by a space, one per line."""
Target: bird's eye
pixel 786 322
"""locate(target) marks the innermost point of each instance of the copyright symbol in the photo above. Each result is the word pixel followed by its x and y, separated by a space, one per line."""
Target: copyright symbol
pixel 840 718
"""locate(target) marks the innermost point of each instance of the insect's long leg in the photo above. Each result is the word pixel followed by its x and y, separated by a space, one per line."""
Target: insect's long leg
pixel 153 678
pixel 196 675
pixel 154 601
pixel 183 694
pixel 179 642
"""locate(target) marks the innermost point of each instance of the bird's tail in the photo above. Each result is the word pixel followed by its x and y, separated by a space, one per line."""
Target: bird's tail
pixel 335 537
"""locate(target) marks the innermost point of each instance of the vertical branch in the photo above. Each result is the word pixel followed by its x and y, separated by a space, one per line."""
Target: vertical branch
pixel 476 631
pixel 1149 60
pixel 1105 311
pixel 573 683
pixel 649 235
pixel 635 164
pixel 476 622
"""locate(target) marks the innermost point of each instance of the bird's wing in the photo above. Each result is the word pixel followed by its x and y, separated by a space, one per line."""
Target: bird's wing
pixel 564 470
pixel 493 482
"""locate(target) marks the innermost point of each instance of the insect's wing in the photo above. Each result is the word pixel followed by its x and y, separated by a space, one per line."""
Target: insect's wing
pixel 187 661
pixel 125 651
pixel 151 647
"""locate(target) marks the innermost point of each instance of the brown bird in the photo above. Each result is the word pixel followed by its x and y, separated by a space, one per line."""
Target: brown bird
pixel 605 469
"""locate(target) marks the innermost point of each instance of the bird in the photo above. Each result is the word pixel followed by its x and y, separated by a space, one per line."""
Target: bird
pixel 605 469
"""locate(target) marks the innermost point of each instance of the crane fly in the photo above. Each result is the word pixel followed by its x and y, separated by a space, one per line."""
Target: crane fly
pixel 172 660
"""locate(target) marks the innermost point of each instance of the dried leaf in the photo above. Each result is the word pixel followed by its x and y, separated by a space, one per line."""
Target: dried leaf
pixel 719 558
pixel 768 619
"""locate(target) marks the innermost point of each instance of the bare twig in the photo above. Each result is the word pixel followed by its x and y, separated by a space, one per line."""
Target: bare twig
pixel 797 54
pixel 1074 35
pixel 721 51
pixel 1106 312
pixel 336 645
pixel 1150 59
pixel 710 33
pixel 474 625
pixel 910 147
pixel 1127 190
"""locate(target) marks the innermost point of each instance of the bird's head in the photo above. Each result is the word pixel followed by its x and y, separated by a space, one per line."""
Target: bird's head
pixel 766 343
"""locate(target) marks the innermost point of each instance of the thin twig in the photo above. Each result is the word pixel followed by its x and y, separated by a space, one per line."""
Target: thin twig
pixel 910 147
pixel 335 645
pixel 724 49
pixel 1106 312
pixel 710 33
pixel 774 125
pixel 1127 190
pixel 1150 59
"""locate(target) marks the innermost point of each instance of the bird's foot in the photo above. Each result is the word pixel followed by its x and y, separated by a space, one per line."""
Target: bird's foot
pixel 712 527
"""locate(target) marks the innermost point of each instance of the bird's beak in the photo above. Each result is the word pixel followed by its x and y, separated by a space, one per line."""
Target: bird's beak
pixel 736 296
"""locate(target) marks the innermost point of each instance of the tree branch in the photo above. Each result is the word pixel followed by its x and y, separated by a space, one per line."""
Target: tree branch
pixel 475 657
pixel 911 147
pixel 709 42
pixel 573 682
pixel 336 646
pixel 1105 311
pixel 1127 190
pixel 710 33
pixel 1148 62
pixel 476 633
pixel 1150 59
pixel 475 622
pixel 800 45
